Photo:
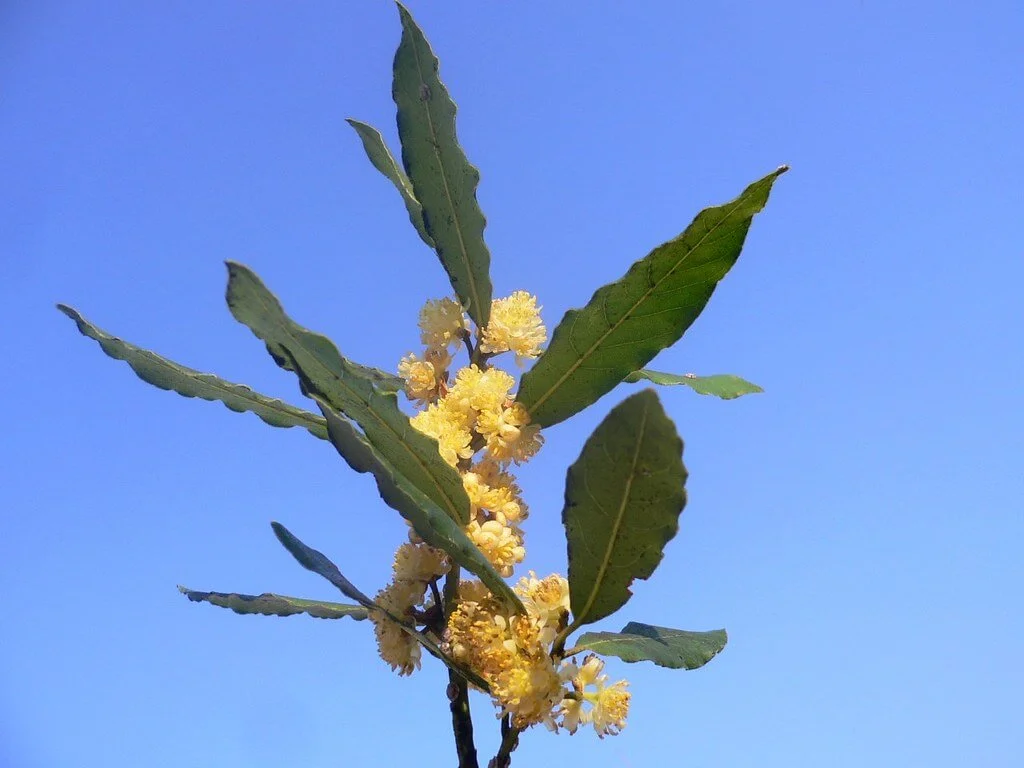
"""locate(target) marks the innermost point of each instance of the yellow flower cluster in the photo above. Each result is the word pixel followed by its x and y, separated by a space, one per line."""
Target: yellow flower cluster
pixel 414 567
pixel 512 653
pixel 608 704
pixel 442 324
pixel 477 406
pixel 515 326
pixel 481 431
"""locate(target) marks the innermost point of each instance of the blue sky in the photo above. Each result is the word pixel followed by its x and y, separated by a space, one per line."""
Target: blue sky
pixel 857 528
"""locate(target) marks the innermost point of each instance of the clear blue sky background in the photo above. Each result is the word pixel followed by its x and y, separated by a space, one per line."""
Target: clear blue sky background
pixel 857 528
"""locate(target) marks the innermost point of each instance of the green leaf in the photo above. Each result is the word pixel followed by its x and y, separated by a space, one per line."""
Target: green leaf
pixel 318 563
pixel 623 497
pixel 166 374
pixel 442 178
pixel 723 385
pixel 433 526
pixel 672 648
pixel 384 162
pixel 347 388
pixel 626 323
pixel 269 604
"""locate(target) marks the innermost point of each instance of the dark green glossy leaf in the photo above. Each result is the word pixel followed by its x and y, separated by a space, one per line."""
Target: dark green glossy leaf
pixel 166 374
pixel 384 162
pixel 324 372
pixel 623 497
pixel 318 563
pixel 433 526
pixel 442 179
pixel 723 385
pixel 672 648
pixel 269 604
pixel 626 323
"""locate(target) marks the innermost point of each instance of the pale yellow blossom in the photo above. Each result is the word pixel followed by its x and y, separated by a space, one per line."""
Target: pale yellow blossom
pixel 572 714
pixel 475 390
pixel 448 428
pixel 421 379
pixel 610 709
pixel 529 691
pixel 419 563
pixel 547 599
pixel 397 647
pixel 441 323
pixel 494 492
pixel 609 704
pixel 515 326
pixel 509 434
pixel 501 544
pixel 512 652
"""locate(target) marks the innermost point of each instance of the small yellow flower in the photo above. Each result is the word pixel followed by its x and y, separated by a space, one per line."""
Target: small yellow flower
pixel 475 390
pixel 448 428
pixel 572 714
pixel 421 379
pixel 495 493
pixel 441 324
pixel 511 654
pixel 509 434
pixel 515 326
pixel 477 630
pixel 529 691
pixel 397 648
pixel 609 704
pixel 610 709
pixel 546 599
pixel 419 563
pixel 502 545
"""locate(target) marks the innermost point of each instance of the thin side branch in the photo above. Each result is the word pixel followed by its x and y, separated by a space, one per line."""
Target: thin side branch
pixel 509 742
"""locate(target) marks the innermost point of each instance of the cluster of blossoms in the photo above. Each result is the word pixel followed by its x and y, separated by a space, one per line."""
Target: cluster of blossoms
pixel 416 565
pixel 482 431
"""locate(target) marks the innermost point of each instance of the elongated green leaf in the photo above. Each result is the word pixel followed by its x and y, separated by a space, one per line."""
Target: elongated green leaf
pixel 723 385
pixel 384 162
pixel 433 525
pixel 318 563
pixel 324 372
pixel 626 323
pixel 166 374
pixel 673 648
pixel 623 497
pixel 442 178
pixel 269 604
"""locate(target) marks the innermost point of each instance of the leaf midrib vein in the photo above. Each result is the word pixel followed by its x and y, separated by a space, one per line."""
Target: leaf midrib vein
pixel 654 285
pixel 479 308
pixel 613 538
